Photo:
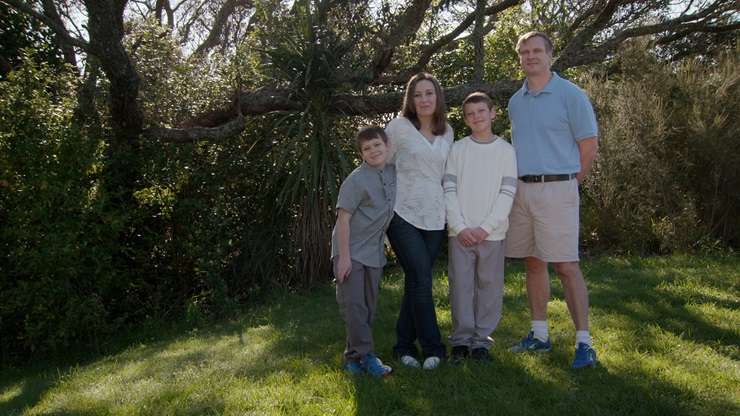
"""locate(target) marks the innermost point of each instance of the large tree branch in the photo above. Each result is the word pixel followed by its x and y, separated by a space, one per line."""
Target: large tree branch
pixel 105 25
pixel 585 35
pixel 578 52
pixel 219 22
pixel 447 40
pixel 477 38
pixel 50 10
pixel 189 135
pixel 194 15
pixel 228 122
pixel 404 26
pixel 261 101
pixel 164 6
pixel 58 29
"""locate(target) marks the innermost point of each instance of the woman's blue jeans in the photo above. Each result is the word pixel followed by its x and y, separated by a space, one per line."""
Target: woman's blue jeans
pixel 416 250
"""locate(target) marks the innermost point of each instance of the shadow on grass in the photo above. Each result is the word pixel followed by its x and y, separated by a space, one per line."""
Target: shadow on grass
pixel 17 395
pixel 24 388
pixel 642 292
pixel 297 339
pixel 516 384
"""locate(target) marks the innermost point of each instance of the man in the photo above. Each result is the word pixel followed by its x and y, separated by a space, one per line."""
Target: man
pixel 554 133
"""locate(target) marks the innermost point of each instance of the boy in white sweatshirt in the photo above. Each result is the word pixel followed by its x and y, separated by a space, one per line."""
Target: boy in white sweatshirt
pixel 479 184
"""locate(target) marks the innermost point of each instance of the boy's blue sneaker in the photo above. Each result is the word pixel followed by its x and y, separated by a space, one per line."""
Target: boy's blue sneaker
pixel 585 356
pixel 531 344
pixel 375 367
pixel 353 367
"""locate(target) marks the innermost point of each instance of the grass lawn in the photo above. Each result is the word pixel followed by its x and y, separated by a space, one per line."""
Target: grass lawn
pixel 667 331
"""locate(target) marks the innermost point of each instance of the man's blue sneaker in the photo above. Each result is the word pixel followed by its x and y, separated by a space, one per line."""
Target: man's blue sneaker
pixel 375 367
pixel 531 344
pixel 353 367
pixel 585 356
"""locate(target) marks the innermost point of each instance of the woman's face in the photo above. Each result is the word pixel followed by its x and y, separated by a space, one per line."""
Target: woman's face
pixel 425 98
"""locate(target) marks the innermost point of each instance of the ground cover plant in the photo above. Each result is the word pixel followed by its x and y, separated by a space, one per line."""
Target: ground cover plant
pixel 665 329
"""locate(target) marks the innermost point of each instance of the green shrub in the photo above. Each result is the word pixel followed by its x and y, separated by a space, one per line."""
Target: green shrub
pixel 55 275
pixel 666 176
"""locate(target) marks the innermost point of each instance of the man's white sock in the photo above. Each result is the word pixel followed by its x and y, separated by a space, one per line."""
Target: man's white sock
pixel 583 337
pixel 540 330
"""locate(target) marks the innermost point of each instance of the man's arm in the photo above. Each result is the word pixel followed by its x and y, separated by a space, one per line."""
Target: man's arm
pixel 344 261
pixel 587 148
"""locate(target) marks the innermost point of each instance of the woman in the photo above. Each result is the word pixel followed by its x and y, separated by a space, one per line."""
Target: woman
pixel 421 140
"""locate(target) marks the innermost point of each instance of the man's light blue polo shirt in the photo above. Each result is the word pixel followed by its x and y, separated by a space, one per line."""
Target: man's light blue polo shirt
pixel 546 126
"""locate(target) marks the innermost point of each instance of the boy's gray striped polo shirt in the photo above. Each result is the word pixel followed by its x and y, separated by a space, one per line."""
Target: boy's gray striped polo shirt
pixel 368 194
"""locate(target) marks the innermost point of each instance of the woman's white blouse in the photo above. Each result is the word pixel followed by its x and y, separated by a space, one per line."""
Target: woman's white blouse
pixel 420 166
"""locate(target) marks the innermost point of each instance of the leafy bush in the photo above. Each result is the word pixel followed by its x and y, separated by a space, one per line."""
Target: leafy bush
pixel 55 278
pixel 667 176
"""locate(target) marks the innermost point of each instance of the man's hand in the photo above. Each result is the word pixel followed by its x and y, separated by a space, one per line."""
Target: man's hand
pixel 587 149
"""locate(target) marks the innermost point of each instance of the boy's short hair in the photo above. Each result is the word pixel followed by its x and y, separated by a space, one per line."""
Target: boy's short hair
pixel 535 34
pixel 369 133
pixel 478 97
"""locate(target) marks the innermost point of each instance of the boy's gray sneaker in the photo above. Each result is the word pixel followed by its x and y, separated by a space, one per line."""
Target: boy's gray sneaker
pixel 459 354
pixel 480 354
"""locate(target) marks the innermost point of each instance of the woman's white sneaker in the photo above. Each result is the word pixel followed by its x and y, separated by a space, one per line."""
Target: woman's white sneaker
pixel 431 363
pixel 410 361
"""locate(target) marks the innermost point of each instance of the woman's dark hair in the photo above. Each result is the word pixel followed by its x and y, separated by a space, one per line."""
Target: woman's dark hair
pixel 408 110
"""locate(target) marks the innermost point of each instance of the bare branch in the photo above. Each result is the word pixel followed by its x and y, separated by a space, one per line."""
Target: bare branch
pixel 69 20
pixel 185 37
pixel 696 28
pixel 576 45
pixel 60 31
pixel 68 51
pixel 227 122
pixel 403 27
pixel 106 34
pixel 164 6
pixel 228 129
pixel 261 101
pixel 449 39
pixel 219 22
pixel 672 30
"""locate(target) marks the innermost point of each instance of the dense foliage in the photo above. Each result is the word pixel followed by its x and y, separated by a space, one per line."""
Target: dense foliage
pixel 206 226
pixel 666 179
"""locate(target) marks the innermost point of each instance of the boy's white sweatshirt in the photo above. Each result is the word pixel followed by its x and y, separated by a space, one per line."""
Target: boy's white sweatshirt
pixel 479 185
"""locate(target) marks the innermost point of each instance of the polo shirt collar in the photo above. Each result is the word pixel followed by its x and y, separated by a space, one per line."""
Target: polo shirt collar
pixel 373 169
pixel 549 87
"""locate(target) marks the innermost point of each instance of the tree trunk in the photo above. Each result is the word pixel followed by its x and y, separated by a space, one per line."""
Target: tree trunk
pixel 105 26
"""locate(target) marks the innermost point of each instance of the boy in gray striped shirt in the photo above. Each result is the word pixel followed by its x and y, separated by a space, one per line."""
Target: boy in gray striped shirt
pixel 364 211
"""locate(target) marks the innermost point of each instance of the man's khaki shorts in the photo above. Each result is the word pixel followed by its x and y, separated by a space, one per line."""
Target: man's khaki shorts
pixel 544 222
